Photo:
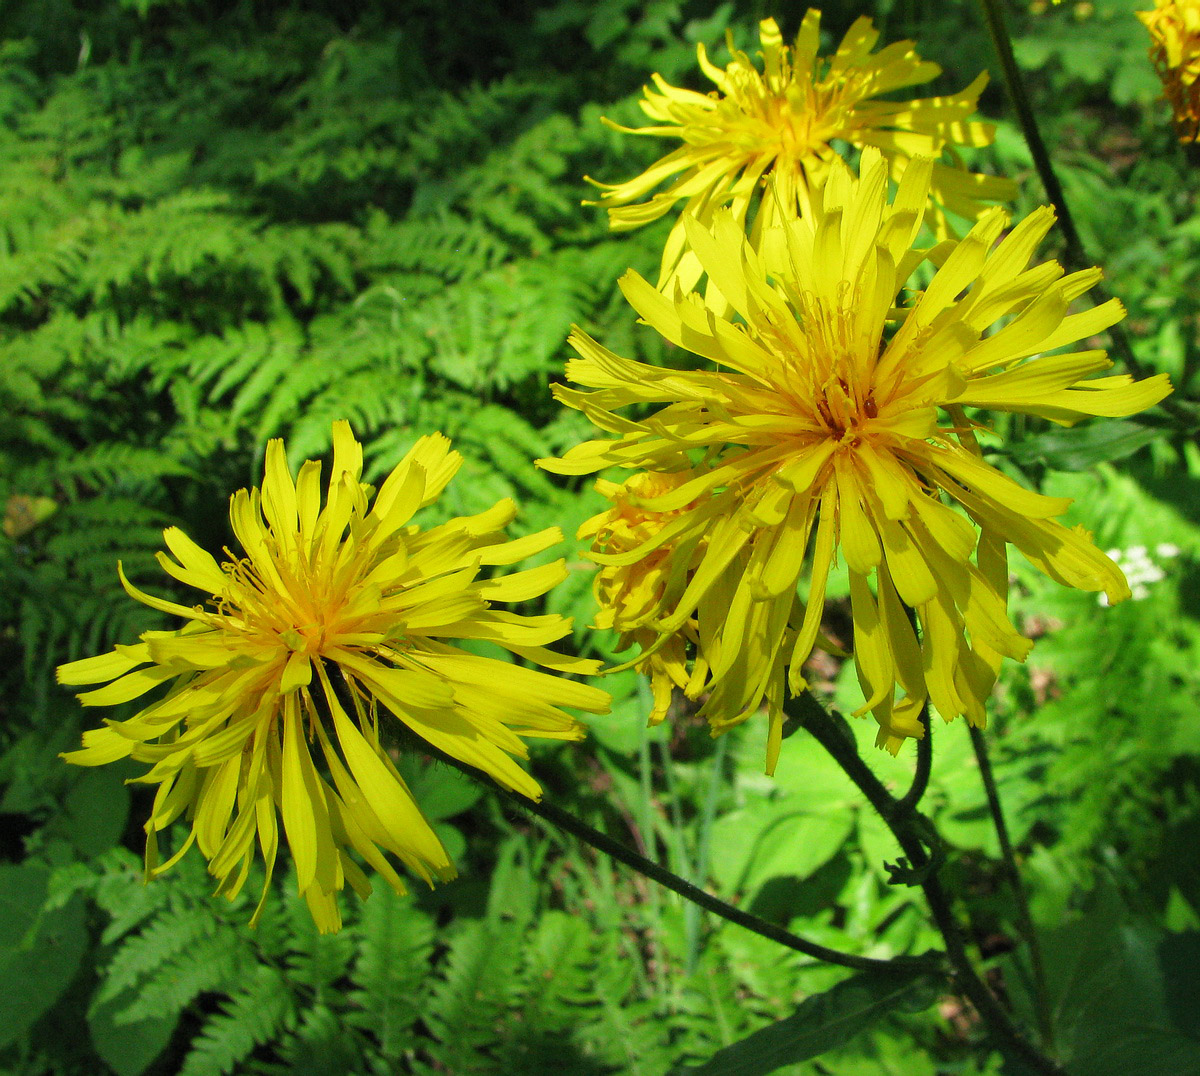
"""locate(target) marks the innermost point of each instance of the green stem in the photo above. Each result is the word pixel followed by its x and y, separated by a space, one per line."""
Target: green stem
pixel 649 838
pixel 920 781
pixel 914 834
pixel 556 816
pixel 993 15
pixel 704 846
pixel 678 857
pixel 1024 919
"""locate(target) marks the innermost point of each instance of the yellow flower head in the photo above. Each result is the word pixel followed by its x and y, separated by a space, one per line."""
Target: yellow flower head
pixel 782 122
pixel 1174 27
pixel 331 613
pixel 835 421
pixel 642 570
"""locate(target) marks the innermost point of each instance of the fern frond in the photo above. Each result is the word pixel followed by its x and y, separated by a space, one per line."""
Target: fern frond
pixel 145 955
pixel 391 969
pixel 256 1014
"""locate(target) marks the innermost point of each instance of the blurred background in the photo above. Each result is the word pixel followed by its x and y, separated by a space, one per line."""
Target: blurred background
pixel 224 222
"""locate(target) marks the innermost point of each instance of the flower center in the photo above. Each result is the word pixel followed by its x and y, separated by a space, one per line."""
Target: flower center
pixel 282 604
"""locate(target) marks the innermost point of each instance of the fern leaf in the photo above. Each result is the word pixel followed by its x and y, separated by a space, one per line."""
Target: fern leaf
pixel 391 968
pixel 254 1015
pixel 217 960
pixel 146 953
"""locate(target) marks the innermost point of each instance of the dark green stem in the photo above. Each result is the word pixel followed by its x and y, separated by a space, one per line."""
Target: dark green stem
pixel 708 816
pixel 1024 919
pixel 603 843
pixel 556 816
pixel 993 15
pixel 920 781
pixel 917 839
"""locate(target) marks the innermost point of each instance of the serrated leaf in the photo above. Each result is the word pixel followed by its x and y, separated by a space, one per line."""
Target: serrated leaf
pixel 1123 993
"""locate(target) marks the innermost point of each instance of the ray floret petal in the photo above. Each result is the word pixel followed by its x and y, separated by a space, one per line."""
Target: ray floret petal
pixel 335 619
pixel 835 423
pixel 782 122
pixel 1174 27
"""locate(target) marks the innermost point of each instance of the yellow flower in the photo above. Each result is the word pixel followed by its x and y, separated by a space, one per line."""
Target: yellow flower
pixel 835 421
pixel 642 569
pixel 332 614
pixel 1174 27
pixel 782 122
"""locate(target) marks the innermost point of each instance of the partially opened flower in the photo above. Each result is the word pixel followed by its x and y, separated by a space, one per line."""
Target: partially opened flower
pixel 783 122
pixel 643 570
pixel 1174 27
pixel 333 618
pixel 835 423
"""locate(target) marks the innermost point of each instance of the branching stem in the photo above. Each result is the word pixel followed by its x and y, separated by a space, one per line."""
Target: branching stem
pixel 920 781
pixel 915 834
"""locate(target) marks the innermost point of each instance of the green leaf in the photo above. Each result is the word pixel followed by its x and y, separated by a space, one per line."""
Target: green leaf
pixel 1079 449
pixel 96 809
pixel 40 950
pixel 776 839
pixel 1122 993
pixel 22 893
pixel 441 791
pixel 452 840
pixel 1138 1009
pixel 821 1023
pixel 623 728
pixel 128 1048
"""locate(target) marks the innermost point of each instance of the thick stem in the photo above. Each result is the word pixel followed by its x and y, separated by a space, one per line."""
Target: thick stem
pixel 556 816
pixel 914 833
pixel 1024 919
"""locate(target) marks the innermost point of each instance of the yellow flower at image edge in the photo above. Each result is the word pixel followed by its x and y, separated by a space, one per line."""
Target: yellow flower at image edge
pixel 1174 27
pixel 334 616
pixel 835 422
pixel 782 123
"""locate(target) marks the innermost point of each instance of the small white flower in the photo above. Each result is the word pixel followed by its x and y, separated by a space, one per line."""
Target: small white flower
pixel 1140 570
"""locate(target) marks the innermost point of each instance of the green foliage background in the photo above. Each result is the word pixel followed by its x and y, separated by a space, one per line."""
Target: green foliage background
pixel 225 222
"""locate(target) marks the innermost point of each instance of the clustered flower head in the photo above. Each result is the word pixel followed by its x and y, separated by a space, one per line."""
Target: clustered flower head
pixel 782 123
pixel 839 417
pixel 334 621
pixel 1174 27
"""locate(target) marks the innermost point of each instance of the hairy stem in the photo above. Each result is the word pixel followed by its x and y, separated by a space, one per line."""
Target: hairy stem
pixel 566 821
pixel 1024 919
pixel 917 838
pixel 920 781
